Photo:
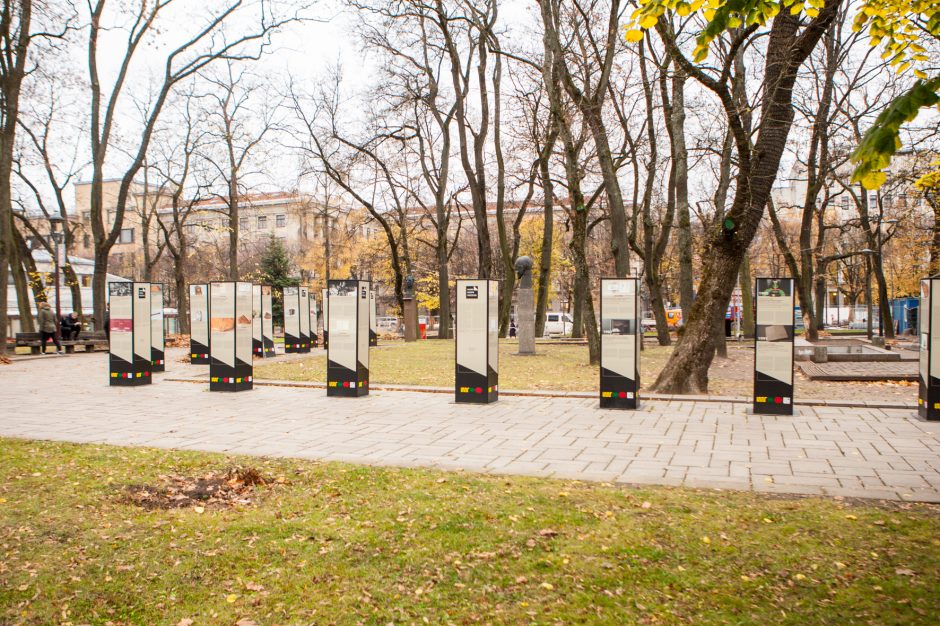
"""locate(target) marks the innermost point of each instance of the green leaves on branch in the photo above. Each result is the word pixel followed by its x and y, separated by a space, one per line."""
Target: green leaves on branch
pixel 883 139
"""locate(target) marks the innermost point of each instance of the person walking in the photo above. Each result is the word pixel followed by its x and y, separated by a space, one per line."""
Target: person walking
pixel 47 329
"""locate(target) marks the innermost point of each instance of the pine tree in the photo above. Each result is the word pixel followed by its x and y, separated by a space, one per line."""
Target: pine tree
pixel 275 270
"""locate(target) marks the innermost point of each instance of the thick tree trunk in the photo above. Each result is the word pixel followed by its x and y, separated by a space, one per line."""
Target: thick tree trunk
pixel 443 289
pixel 788 46
pixel 680 158
pixel 747 298
pixel 25 278
pixel 182 291
pixel 884 303
pixel 545 260
pixel 933 198
pixel 658 306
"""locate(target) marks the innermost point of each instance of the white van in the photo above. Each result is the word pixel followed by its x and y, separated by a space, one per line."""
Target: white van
pixel 557 323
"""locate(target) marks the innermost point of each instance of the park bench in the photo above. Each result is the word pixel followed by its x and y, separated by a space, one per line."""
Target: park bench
pixel 89 340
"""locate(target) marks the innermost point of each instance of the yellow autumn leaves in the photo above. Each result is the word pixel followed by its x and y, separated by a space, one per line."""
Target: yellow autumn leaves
pixel 721 15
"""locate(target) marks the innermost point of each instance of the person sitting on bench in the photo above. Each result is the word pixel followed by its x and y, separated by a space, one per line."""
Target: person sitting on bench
pixel 71 327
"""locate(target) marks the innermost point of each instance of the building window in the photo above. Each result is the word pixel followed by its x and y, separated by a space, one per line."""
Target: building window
pixel 86 280
pixel 262 221
pixel 845 202
pixel 872 199
pixel 280 221
pixel 127 235
pixel 243 223
pixel 86 239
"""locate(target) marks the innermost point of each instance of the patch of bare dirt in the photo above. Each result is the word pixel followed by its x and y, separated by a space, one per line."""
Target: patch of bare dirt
pixel 234 487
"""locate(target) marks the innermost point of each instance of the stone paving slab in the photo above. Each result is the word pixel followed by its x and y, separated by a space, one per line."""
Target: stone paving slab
pixel 860 371
pixel 859 451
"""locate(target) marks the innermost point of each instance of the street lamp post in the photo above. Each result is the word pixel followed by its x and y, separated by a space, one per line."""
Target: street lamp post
pixel 55 222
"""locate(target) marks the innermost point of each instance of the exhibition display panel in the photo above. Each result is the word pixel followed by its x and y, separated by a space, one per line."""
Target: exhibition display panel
pixel 325 301
pixel 129 360
pixel 303 317
pixel 267 321
pixel 347 372
pixel 928 397
pixel 292 338
pixel 312 296
pixel 773 347
pixel 477 335
pixel 230 328
pixel 157 338
pixel 257 342
pixel 199 324
pixel 373 329
pixel 621 339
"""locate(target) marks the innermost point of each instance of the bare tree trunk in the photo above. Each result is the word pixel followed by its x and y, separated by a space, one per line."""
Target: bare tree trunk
pixel 545 260
pixel 934 201
pixel 789 43
pixel 747 298
pixel 680 161
pixel 22 282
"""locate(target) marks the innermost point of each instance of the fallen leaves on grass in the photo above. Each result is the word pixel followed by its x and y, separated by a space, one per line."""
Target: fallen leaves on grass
pixel 234 487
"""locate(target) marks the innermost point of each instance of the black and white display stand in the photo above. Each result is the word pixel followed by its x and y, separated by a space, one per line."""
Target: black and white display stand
pixel 231 367
pixel 325 301
pixel 312 316
pixel 292 338
pixel 477 367
pixel 129 345
pixel 620 343
pixel 157 337
pixel 928 315
pixel 773 348
pixel 257 341
pixel 267 322
pixel 347 371
pixel 303 313
pixel 199 324
pixel 373 329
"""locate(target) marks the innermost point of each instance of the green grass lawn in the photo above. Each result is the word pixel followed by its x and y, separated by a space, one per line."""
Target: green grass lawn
pixel 337 544
pixel 432 363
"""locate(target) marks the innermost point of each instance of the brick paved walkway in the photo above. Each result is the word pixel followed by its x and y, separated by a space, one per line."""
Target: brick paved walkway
pixel 864 452
pixel 892 370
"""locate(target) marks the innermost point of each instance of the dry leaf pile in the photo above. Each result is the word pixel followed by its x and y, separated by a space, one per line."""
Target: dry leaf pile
pixel 233 487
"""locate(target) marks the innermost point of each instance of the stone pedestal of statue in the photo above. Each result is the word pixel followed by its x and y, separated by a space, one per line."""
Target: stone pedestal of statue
pixel 411 319
pixel 525 320
pixel 525 306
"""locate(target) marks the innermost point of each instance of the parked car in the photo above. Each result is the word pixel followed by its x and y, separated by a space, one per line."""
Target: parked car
pixel 557 323
pixel 387 324
pixel 648 324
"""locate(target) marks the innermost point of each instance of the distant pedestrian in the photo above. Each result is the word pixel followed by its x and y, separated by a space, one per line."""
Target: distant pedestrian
pixel 512 327
pixel 70 327
pixel 47 327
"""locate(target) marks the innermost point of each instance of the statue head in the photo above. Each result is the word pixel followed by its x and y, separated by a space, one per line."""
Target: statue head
pixel 523 265
pixel 523 268
pixel 408 286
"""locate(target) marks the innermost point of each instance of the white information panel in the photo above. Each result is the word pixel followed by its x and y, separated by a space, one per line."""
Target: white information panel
pixel 773 349
pixel 199 324
pixel 230 327
pixel 477 334
pixel 292 337
pixel 257 341
pixel 130 362
pixel 347 371
pixel 620 342
pixel 157 338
